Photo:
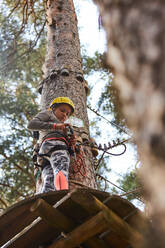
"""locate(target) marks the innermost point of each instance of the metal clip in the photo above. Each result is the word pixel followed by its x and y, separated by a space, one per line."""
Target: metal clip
pixel 114 143
pixel 100 146
pixel 105 147
pixel 109 145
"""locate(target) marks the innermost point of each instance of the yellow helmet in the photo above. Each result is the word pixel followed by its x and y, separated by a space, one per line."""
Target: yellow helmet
pixel 66 100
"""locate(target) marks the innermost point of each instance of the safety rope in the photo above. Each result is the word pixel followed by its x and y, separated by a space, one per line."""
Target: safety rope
pixel 104 179
pixel 125 194
pixel 132 191
pixel 111 122
pixel 79 165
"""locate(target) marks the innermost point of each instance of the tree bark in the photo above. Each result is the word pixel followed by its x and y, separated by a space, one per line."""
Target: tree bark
pixel 136 51
pixel 63 75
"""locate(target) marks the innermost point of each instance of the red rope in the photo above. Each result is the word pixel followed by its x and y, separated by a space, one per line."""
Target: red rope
pixel 79 165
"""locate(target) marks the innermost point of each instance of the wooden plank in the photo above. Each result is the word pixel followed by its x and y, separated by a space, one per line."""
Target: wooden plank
pixel 37 234
pixel 123 208
pixel 19 222
pixel 93 226
pixel 95 242
pixel 52 216
pixel 18 216
pixel 123 229
pixel 41 232
pixel 117 204
pixel 58 220
pixel 115 240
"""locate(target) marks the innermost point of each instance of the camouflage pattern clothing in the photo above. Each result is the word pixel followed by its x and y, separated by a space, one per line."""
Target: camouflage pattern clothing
pixel 49 138
pixel 59 161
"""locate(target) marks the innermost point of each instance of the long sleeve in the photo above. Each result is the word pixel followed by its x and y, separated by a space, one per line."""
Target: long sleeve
pixel 41 122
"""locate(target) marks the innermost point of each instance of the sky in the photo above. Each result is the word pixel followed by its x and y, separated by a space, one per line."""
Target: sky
pixel 90 36
pixel 93 40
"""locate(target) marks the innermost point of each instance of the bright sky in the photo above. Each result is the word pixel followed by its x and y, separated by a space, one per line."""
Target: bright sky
pixel 90 36
pixel 93 40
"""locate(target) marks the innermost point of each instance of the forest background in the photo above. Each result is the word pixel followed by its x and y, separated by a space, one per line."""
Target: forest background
pixel 22 56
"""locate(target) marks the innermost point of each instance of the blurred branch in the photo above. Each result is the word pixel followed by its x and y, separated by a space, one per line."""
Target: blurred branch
pixel 15 7
pixel 3 202
pixel 5 185
pixel 20 168
pixel 26 52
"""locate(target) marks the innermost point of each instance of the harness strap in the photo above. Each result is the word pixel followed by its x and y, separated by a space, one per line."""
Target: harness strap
pixel 57 138
pixel 46 156
pixel 55 148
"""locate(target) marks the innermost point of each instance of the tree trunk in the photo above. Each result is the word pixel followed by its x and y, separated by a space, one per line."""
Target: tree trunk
pixel 63 75
pixel 136 51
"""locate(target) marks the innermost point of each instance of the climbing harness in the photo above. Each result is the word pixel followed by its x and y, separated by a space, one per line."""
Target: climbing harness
pixel 54 138
pixel 77 151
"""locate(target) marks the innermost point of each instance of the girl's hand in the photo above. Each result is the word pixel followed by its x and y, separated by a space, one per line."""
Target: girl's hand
pixel 63 127
pixel 60 126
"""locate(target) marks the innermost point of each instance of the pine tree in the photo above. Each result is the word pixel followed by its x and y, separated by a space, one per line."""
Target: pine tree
pixel 63 75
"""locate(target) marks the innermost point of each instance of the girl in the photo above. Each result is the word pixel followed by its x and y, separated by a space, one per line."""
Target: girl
pixel 54 143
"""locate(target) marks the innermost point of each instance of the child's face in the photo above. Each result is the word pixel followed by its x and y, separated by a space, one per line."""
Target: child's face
pixel 63 112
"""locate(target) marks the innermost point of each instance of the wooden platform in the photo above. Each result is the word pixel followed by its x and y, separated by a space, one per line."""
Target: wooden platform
pixel 85 217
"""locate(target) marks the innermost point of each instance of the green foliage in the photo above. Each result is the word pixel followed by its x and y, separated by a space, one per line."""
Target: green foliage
pixel 16 109
pixel 130 182
pixel 109 102
pixel 21 61
pixel 22 45
pixel 93 64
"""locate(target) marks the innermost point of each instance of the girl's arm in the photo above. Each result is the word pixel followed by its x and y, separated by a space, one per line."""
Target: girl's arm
pixel 41 122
